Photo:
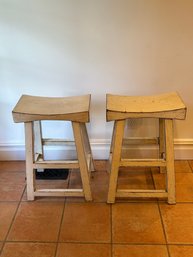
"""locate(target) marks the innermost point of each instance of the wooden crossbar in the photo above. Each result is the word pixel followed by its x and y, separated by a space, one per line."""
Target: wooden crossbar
pixel 50 141
pixel 142 162
pixel 140 141
pixel 56 164
pixel 59 192
pixel 141 193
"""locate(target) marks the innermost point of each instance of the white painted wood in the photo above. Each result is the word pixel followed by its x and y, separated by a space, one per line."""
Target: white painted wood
pixel 59 192
pixel 162 142
pixel 56 164
pixel 116 158
pixel 59 142
pixel 168 105
pixel 38 144
pixel 31 108
pixel 140 141
pixel 141 193
pixel 82 160
pixel 29 143
pixel 142 162
pixel 170 162
pixel 87 145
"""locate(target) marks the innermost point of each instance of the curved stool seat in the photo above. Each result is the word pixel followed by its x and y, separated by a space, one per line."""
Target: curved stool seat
pixel 32 110
pixel 165 108
pixel 168 106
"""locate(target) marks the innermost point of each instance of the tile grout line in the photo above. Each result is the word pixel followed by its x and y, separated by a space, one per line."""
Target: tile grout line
pixel 63 210
pixel 99 243
pixel 111 228
pixel 190 166
pixel 57 242
pixel 13 219
pixel 162 223
pixel 167 246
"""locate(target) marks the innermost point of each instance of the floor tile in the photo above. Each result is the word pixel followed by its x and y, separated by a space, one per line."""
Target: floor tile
pixel 86 222
pixel 28 250
pixel 44 198
pixel 137 223
pixel 135 179
pixel 99 186
pixel 159 179
pixel 178 223
pixel 86 250
pixel 37 222
pixel 181 251
pixel 75 183
pixel 140 251
pixel 179 166
pixel 184 188
pixel 191 164
pixel 48 184
pixel 12 165
pixel 99 192
pixel 7 211
pixel 12 184
pixel 100 177
pixel 17 177
pixel 11 192
pixel 101 165
pixel 182 166
pixel 98 182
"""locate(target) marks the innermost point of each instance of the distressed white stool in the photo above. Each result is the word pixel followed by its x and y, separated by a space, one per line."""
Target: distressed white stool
pixel 166 108
pixel 32 110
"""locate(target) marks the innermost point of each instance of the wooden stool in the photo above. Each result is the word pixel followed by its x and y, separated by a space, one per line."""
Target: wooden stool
pixel 166 108
pixel 32 110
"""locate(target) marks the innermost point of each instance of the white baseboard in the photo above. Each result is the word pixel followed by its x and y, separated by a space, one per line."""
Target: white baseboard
pixel 100 147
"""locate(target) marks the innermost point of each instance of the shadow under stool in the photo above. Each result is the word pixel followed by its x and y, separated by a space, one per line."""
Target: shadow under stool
pixel 165 108
pixel 32 110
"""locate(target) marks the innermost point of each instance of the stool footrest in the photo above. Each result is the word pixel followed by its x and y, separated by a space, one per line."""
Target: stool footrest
pixel 50 141
pixel 56 164
pixel 141 193
pixel 142 162
pixel 59 192
pixel 140 141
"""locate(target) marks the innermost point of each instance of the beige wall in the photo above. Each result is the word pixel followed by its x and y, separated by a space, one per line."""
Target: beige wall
pixel 71 47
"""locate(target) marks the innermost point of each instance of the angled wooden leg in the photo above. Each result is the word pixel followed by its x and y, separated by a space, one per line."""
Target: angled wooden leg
pixel 39 154
pixel 111 149
pixel 87 145
pixel 162 142
pixel 29 150
pixel 170 161
pixel 116 157
pixel 82 160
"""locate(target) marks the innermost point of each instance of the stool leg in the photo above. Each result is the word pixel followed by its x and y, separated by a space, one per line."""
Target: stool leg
pixel 38 140
pixel 161 141
pixel 87 144
pixel 111 149
pixel 116 157
pixel 170 161
pixel 82 160
pixel 29 150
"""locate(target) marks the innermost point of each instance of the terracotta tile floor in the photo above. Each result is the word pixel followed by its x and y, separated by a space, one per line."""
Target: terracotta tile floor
pixel 71 227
